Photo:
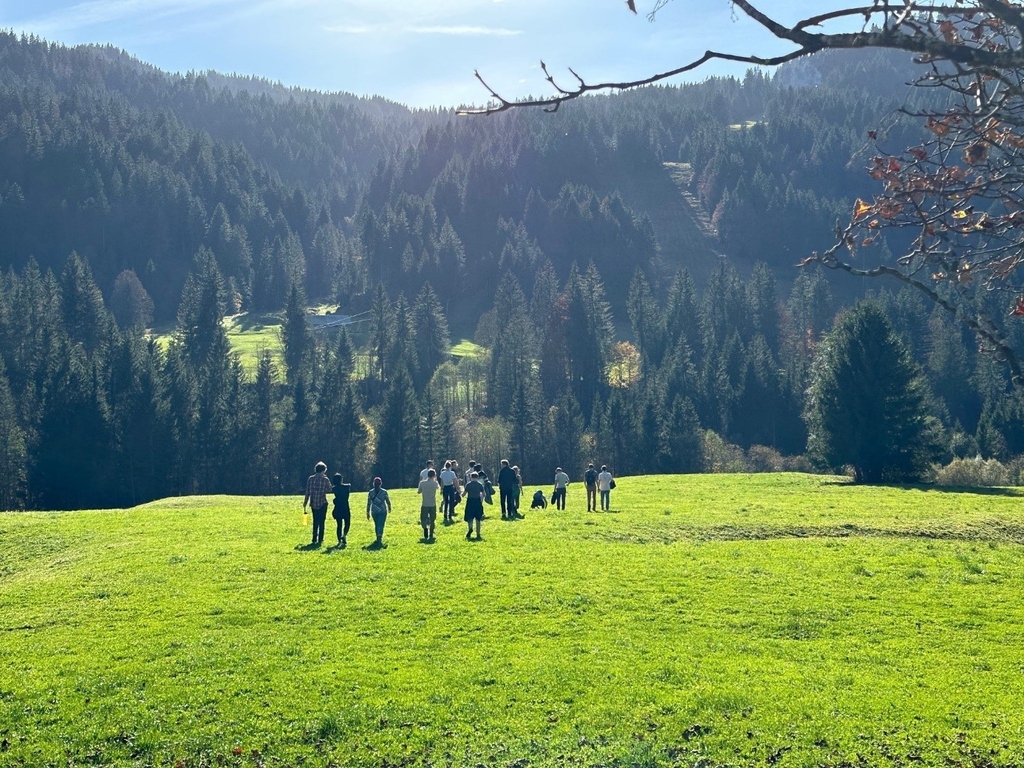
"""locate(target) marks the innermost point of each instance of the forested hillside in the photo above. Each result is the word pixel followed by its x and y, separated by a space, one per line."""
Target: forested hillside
pixel 627 265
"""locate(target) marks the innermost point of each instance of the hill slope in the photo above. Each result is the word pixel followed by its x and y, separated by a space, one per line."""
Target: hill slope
pixel 784 619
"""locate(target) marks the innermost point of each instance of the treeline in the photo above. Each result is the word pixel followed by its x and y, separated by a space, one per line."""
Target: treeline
pixel 95 413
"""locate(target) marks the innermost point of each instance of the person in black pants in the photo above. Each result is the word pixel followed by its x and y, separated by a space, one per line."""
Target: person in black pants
pixel 507 482
pixel 317 487
pixel 342 513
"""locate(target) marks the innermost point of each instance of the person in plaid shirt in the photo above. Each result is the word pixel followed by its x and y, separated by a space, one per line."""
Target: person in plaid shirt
pixel 317 488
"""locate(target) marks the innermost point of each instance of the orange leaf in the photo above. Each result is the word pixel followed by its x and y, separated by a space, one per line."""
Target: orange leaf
pixel 1018 311
pixel 860 208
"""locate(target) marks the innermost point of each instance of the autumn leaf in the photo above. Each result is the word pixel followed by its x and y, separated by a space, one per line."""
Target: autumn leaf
pixel 872 135
pixel 1018 311
pixel 938 127
pixel 919 153
pixel 960 214
pixel 860 208
pixel 975 153
pixel 948 30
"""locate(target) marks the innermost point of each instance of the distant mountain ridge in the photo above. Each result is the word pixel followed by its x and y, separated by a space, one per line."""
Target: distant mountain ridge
pixel 138 169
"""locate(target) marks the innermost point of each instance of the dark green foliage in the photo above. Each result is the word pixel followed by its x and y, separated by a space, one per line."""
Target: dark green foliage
pixel 130 303
pixel 13 452
pixel 867 404
pixel 398 443
pixel 295 335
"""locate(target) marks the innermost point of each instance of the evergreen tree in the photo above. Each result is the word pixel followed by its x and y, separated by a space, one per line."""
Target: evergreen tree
pixel 432 340
pixel 13 451
pixel 382 333
pixel 130 303
pixel 647 320
pixel 295 336
pixel 567 432
pixel 866 406
pixel 85 317
pixel 398 445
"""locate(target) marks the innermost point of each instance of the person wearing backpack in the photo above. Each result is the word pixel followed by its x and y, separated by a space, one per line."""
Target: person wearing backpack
pixel 590 480
pixel 378 505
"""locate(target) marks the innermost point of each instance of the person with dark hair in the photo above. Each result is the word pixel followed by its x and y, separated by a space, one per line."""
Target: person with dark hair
pixel 605 484
pixel 561 484
pixel 342 514
pixel 428 506
pixel 517 494
pixel 317 487
pixel 590 480
pixel 539 502
pixel 506 482
pixel 449 488
pixel 378 505
pixel 474 491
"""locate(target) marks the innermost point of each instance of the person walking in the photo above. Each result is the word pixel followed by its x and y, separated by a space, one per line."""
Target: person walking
pixel 317 487
pixel 590 480
pixel 449 487
pixel 474 491
pixel 378 505
pixel 342 514
pixel 517 493
pixel 561 484
pixel 506 482
pixel 604 484
pixel 428 468
pixel 428 488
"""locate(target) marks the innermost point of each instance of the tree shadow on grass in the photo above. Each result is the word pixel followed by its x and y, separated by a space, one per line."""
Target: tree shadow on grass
pixel 252 322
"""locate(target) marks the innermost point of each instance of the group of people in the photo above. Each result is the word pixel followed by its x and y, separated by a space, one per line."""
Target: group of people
pixel 474 488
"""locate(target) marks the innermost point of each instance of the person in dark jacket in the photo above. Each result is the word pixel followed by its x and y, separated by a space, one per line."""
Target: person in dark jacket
pixel 507 483
pixel 342 514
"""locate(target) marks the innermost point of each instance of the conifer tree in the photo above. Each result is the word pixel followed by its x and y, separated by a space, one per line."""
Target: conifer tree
pixel 647 320
pixel 13 451
pixel 398 444
pixel 296 336
pixel 867 404
pixel 83 312
pixel 432 339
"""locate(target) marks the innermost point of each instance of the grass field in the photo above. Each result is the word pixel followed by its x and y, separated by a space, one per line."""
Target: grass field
pixel 780 620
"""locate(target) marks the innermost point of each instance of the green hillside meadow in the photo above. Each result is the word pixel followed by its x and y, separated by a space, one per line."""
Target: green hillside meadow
pixel 707 620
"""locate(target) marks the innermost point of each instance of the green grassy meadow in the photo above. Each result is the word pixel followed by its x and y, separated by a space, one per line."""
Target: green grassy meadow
pixel 781 620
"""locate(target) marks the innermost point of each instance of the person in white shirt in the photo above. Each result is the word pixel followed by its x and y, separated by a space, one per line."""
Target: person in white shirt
pixel 561 483
pixel 428 509
pixel 604 485
pixel 449 486
pixel 426 469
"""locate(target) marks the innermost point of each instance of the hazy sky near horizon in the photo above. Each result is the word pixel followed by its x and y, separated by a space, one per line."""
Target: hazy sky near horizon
pixel 418 52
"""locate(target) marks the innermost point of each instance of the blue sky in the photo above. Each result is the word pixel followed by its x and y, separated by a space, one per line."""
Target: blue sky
pixel 418 52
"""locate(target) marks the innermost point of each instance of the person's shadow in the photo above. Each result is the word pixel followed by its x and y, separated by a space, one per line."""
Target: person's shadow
pixel 375 546
pixel 307 547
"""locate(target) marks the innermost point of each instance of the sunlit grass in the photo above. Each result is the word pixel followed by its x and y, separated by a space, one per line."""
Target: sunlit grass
pixel 467 348
pixel 776 619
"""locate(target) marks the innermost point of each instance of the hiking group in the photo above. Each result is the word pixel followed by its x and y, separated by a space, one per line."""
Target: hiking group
pixel 474 488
